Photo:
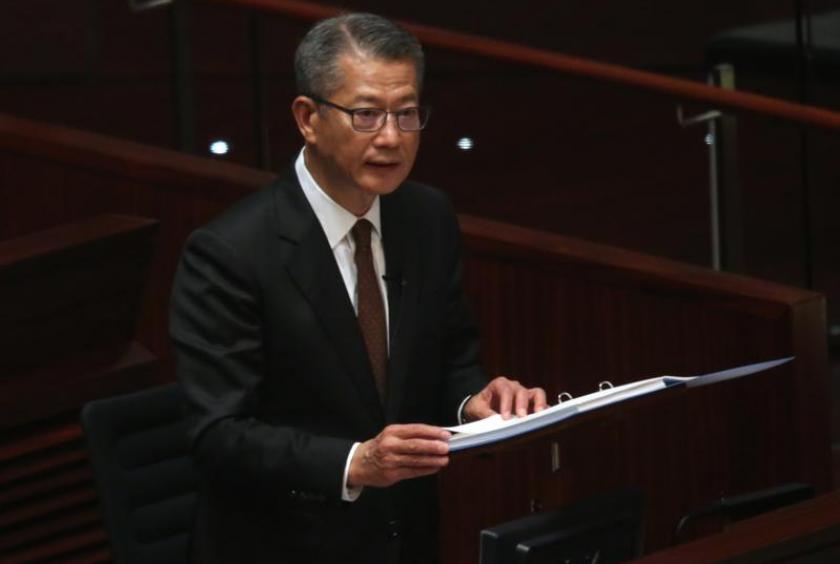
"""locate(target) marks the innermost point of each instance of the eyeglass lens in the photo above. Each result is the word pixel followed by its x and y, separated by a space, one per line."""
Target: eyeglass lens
pixel 372 119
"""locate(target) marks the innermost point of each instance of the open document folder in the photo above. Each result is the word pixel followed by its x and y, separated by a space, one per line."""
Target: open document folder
pixel 494 428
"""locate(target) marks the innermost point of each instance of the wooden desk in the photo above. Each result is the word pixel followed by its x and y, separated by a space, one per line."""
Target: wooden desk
pixel 807 532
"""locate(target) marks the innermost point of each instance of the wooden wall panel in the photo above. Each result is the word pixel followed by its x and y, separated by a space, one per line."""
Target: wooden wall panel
pixel 48 506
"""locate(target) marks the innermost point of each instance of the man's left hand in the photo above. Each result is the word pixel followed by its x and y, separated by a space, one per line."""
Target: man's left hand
pixel 505 397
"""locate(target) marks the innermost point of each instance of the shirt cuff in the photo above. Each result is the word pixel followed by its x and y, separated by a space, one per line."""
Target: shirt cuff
pixel 350 493
pixel 461 419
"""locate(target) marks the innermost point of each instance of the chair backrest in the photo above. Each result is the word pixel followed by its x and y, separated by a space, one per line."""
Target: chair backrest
pixel 605 528
pixel 145 479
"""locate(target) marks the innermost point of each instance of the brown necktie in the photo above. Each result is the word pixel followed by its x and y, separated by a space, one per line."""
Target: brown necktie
pixel 371 310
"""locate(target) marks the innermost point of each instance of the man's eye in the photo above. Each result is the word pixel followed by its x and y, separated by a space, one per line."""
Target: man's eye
pixel 367 114
pixel 408 112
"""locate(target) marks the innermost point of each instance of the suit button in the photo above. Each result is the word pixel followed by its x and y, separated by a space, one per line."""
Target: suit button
pixel 393 529
pixel 293 494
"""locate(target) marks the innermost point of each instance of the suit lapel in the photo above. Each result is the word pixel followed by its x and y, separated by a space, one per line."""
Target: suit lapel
pixel 403 284
pixel 313 268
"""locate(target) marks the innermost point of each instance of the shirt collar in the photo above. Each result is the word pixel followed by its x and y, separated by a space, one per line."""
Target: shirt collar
pixel 335 220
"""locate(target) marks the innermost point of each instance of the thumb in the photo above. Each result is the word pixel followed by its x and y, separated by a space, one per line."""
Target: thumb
pixel 478 408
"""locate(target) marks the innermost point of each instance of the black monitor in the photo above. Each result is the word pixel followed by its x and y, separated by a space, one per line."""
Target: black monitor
pixel 605 528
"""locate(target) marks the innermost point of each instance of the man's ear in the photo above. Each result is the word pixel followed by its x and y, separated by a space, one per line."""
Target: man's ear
pixel 306 116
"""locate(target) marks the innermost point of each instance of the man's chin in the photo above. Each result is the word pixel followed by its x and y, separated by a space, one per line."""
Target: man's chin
pixel 382 190
pixel 383 184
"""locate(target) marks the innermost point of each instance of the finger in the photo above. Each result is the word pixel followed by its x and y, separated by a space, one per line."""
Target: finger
pixel 480 410
pixel 478 407
pixel 522 399
pixel 422 447
pixel 409 473
pixel 505 395
pixel 395 461
pixel 417 430
pixel 539 397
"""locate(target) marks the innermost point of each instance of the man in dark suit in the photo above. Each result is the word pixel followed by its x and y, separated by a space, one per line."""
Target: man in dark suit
pixel 321 331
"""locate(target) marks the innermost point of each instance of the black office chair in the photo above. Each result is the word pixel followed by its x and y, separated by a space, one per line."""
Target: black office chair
pixel 145 480
pixel 605 528
pixel 727 510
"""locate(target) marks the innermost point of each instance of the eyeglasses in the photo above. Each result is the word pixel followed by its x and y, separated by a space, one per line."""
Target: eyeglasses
pixel 368 120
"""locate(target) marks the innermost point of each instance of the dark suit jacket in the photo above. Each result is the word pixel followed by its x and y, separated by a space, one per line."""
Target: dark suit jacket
pixel 279 385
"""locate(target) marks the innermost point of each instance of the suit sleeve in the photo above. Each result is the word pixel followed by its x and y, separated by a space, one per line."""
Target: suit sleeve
pixel 217 330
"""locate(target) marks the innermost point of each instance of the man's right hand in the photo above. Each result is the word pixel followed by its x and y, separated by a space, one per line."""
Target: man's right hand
pixel 398 453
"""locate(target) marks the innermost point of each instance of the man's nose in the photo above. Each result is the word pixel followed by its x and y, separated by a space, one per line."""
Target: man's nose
pixel 389 135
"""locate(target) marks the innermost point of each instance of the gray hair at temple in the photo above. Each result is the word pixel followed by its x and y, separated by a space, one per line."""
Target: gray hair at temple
pixel 317 72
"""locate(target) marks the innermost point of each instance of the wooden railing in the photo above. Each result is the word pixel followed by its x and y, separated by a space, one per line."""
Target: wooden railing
pixel 677 88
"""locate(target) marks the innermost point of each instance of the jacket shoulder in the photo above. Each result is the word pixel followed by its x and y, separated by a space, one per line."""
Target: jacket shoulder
pixel 243 216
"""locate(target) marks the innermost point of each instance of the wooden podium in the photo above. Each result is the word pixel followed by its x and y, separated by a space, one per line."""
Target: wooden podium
pixel 566 314
pixel 804 533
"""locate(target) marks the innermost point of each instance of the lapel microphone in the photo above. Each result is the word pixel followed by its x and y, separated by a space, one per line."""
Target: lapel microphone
pixel 394 279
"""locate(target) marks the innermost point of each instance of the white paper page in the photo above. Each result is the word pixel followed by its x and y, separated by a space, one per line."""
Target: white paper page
pixel 495 422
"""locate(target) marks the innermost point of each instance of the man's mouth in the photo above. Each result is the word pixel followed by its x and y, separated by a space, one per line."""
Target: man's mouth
pixel 382 165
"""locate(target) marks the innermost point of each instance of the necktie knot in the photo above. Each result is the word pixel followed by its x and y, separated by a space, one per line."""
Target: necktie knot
pixel 361 234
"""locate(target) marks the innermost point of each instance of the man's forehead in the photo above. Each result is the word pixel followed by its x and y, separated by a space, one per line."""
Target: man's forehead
pixel 372 98
pixel 371 78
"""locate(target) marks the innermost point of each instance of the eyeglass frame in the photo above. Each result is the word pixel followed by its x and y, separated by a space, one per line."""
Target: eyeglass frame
pixel 352 113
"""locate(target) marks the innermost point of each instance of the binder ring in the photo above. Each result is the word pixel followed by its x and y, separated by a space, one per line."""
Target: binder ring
pixel 605 385
pixel 563 397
